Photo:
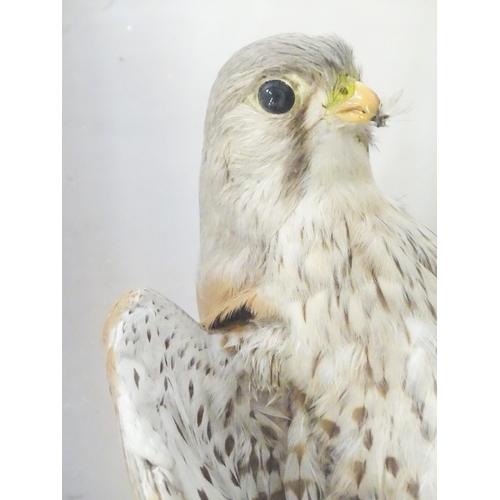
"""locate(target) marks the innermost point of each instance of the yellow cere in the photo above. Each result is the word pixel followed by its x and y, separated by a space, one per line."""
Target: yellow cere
pixel 344 89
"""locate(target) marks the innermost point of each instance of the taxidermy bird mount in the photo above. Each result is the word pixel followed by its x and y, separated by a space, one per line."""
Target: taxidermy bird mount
pixel 312 374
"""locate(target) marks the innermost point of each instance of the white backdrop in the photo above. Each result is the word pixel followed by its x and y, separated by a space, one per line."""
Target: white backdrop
pixel 136 78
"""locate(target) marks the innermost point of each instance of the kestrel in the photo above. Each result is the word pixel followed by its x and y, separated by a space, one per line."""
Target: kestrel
pixel 312 374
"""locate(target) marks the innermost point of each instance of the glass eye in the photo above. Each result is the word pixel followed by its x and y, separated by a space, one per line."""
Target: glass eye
pixel 277 97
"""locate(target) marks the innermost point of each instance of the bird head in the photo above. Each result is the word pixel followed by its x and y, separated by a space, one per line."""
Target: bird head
pixel 288 117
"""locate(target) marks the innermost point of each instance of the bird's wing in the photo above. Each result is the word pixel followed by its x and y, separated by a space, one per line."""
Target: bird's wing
pixel 191 427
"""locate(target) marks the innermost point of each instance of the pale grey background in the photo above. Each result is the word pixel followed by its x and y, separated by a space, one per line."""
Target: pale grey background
pixel 136 80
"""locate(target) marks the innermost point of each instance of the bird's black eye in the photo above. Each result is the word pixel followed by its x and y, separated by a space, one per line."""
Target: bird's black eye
pixel 276 97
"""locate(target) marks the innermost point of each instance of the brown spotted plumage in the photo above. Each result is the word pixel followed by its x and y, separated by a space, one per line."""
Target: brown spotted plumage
pixel 312 375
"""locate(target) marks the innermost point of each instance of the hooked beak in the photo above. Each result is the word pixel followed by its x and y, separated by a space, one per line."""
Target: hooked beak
pixel 355 103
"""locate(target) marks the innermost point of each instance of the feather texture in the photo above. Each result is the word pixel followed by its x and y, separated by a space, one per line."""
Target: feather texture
pixel 313 375
pixel 178 392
